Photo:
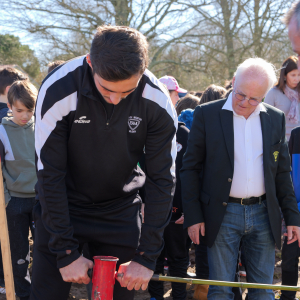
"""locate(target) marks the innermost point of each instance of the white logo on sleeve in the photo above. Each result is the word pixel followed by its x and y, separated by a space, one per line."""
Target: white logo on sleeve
pixel 82 120
pixel 133 123
pixel 179 147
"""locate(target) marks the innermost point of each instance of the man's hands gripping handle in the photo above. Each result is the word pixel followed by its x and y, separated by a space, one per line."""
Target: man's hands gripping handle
pixel 77 271
pixel 131 275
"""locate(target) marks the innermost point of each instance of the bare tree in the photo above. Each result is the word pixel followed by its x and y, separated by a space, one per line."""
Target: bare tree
pixel 67 26
pixel 230 31
pixel 197 41
pixel 242 28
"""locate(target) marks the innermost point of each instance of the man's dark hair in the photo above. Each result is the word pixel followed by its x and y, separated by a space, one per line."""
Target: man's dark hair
pixel 188 101
pixel 8 75
pixel 213 92
pixel 118 52
pixel 52 65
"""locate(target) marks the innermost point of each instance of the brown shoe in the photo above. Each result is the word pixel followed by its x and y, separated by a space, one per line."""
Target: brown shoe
pixel 201 292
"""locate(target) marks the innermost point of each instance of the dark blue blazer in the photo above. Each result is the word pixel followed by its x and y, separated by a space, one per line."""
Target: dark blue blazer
pixel 210 152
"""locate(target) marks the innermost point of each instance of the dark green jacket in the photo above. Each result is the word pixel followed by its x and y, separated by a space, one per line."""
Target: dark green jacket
pixel 18 159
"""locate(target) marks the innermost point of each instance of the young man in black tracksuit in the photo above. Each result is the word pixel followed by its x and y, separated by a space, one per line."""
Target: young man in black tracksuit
pixel 175 236
pixel 94 116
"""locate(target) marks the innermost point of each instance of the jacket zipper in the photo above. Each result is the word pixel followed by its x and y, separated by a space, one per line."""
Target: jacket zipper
pixel 107 120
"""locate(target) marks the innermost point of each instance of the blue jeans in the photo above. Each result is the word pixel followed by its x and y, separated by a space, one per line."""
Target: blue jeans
pixel 249 224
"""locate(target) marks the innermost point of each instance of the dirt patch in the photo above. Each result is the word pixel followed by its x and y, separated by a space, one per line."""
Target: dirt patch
pixel 79 292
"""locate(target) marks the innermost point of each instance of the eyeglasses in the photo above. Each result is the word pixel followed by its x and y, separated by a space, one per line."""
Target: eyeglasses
pixel 241 97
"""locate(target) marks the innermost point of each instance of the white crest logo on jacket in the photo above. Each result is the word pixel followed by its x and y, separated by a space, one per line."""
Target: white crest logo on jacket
pixel 179 147
pixel 133 123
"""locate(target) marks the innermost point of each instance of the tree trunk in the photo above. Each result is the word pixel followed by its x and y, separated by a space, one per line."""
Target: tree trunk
pixel 257 30
pixel 228 35
pixel 122 11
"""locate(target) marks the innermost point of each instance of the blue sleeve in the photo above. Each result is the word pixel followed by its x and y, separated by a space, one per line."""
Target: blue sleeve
pixel 296 176
pixel 3 113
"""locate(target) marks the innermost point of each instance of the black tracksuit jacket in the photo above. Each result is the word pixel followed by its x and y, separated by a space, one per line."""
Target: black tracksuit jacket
pixel 87 162
pixel 181 143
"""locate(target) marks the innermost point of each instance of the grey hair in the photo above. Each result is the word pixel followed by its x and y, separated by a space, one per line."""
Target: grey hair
pixel 293 11
pixel 257 68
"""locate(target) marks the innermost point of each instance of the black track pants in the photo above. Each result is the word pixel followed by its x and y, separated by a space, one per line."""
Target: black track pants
pixel 289 267
pixel 175 250
pixel 47 283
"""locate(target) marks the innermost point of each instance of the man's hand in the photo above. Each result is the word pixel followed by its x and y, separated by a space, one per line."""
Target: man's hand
pixel 193 232
pixel 77 271
pixel 135 276
pixel 293 234
pixel 180 220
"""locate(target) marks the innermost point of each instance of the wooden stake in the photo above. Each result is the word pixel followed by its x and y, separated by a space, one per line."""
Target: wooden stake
pixel 5 246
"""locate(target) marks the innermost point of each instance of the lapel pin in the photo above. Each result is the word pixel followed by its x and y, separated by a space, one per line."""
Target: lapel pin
pixel 275 155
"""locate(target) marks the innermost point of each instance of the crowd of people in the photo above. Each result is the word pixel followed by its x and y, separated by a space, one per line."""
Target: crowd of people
pixel 106 159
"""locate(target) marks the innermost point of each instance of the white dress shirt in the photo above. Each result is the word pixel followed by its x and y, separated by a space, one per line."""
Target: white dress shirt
pixel 248 176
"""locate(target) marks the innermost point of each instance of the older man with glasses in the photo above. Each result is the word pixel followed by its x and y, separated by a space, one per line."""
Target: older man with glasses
pixel 239 145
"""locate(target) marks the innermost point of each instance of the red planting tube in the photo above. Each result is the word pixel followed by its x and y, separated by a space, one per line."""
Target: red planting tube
pixel 103 278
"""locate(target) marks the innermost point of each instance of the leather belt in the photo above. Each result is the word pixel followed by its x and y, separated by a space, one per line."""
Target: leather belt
pixel 247 201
